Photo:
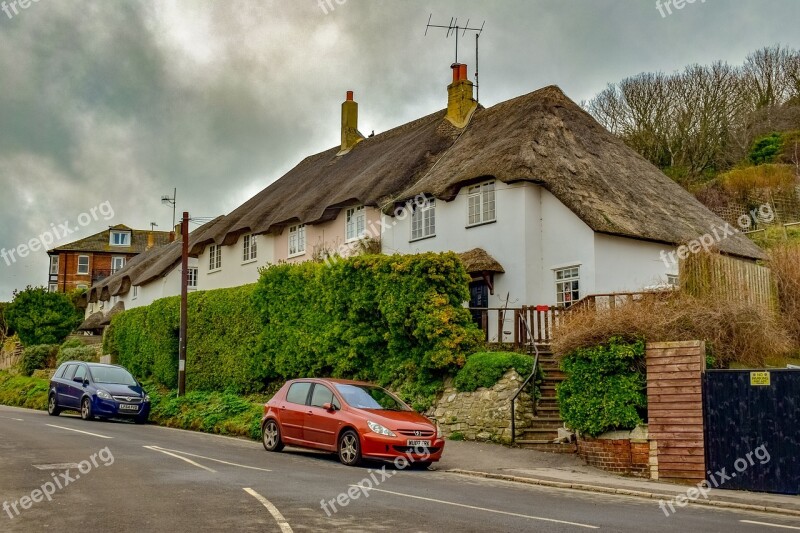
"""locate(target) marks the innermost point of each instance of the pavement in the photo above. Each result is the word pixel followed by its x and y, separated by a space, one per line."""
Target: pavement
pixel 568 471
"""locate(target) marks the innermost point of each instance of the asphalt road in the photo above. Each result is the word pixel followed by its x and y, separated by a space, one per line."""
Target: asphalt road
pixel 116 476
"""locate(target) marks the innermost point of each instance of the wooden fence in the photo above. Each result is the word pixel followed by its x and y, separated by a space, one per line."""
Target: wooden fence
pixel 727 278
pixel 10 358
pixel 508 325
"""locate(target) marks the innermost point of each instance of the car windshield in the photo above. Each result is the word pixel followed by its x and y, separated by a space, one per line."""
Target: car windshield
pixel 113 375
pixel 366 397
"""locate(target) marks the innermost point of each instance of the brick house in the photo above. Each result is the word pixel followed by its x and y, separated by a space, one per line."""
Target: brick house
pixel 79 264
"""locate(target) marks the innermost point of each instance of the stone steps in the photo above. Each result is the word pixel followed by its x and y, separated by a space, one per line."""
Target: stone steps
pixel 547 446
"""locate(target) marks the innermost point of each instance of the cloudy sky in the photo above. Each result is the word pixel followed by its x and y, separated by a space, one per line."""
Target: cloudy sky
pixel 116 102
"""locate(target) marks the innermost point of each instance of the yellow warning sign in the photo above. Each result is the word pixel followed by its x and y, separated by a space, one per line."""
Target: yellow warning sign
pixel 759 379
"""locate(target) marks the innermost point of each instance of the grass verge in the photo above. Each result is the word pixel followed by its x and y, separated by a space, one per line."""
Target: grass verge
pixel 223 413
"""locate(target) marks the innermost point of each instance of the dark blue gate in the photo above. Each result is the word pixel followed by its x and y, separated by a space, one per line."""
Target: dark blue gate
pixel 752 429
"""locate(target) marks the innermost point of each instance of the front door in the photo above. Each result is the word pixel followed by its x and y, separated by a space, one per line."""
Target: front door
pixel 478 298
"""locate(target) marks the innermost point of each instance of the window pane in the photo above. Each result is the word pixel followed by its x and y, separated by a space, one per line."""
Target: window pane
pixel 298 393
pixel 321 396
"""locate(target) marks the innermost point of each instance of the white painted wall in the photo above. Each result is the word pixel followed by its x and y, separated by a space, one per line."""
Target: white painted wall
pixel 626 265
pixel 234 271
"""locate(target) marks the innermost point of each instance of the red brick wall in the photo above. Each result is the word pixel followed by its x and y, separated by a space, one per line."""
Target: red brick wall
pixel 619 456
pixel 68 277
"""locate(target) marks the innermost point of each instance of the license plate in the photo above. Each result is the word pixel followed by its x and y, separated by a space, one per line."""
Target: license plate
pixel 423 443
pixel 125 407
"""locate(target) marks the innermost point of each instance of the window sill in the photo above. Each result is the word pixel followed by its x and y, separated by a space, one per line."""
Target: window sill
pixel 422 238
pixel 215 270
pixel 298 254
pixel 468 226
pixel 249 261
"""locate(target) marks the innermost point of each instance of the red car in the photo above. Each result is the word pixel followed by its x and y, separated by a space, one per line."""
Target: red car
pixel 354 419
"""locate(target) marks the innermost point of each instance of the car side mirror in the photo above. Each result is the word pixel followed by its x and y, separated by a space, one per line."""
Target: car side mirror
pixel 328 407
pixel 78 380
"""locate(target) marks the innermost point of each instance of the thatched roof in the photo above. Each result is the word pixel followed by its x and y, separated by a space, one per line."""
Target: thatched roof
pixel 478 260
pixel 114 311
pixel 94 321
pixel 372 173
pixel 100 242
pixel 546 138
pixel 542 137
pixel 145 267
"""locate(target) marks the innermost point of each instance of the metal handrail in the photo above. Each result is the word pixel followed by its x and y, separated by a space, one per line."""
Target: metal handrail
pixel 532 376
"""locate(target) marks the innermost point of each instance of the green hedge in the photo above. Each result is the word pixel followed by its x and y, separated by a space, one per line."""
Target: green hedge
pixel 222 344
pixel 605 387
pixel 397 320
pixel 77 353
pixel 484 369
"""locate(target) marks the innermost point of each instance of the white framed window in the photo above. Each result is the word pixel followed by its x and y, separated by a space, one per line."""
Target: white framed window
pixel 54 265
pixel 117 263
pixel 297 240
pixel 423 220
pixel 120 238
pixel 481 204
pixel 568 285
pixel 192 278
pixel 356 223
pixel 83 264
pixel 214 257
pixel 53 287
pixel 81 286
pixel 249 251
pixel 135 291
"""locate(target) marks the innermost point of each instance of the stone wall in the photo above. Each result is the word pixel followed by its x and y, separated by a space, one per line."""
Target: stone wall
pixel 486 413
pixel 621 452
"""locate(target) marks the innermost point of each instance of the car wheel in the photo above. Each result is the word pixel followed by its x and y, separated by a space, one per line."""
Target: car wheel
pixel 52 406
pixel 86 409
pixel 349 448
pixel 140 420
pixel 271 437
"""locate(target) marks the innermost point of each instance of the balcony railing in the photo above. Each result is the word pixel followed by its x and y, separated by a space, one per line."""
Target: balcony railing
pixel 507 325
pixel 101 274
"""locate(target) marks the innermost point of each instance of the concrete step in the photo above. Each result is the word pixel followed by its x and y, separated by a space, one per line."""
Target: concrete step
pixel 540 434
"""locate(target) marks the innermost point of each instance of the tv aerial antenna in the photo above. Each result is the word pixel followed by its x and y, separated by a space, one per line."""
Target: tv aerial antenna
pixel 454 29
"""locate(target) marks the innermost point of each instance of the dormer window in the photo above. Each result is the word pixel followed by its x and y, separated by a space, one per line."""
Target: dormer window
pixel 120 238
pixel 356 223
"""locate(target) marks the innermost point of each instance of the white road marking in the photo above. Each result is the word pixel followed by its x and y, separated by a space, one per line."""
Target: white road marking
pixel 276 514
pixel 58 466
pixel 768 524
pixel 12 418
pixel 198 465
pixel 79 431
pixel 210 459
pixel 542 519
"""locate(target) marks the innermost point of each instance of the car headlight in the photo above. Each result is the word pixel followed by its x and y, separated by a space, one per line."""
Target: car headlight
pixel 439 433
pixel 104 395
pixel 379 429
pixel 146 397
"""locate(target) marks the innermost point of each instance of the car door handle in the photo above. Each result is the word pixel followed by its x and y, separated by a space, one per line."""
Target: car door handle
pixel 310 412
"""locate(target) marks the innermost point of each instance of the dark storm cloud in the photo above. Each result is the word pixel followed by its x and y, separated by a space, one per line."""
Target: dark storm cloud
pixel 120 101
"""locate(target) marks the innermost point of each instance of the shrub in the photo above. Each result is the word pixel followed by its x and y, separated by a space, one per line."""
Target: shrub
pixel 41 317
pixel 765 149
pixel 78 353
pixel 486 368
pixel 37 358
pixel 785 264
pixel 733 331
pixel 605 387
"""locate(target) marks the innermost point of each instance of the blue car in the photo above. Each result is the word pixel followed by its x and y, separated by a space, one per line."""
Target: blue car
pixel 97 390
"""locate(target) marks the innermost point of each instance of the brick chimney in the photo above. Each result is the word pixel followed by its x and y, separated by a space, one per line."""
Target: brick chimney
pixel 151 240
pixel 461 102
pixel 350 134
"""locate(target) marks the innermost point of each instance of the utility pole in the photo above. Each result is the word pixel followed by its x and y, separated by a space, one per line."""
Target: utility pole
pixel 184 301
